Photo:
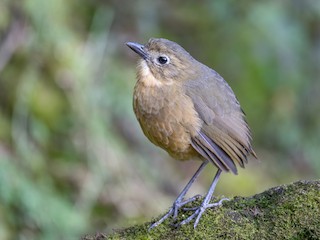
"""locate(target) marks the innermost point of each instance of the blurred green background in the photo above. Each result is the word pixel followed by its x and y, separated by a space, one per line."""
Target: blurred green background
pixel 73 159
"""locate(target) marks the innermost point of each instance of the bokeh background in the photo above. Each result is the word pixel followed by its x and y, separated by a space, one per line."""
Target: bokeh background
pixel 73 159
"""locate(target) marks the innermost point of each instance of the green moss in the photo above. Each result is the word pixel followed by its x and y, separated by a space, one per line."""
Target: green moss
pixel 286 212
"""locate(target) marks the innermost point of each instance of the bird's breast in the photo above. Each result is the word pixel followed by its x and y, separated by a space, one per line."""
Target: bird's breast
pixel 167 117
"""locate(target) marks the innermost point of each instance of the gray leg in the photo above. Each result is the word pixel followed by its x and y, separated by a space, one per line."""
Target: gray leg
pixel 206 202
pixel 178 203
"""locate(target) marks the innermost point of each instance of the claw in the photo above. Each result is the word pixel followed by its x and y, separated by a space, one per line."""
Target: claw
pixel 174 210
pixel 203 208
pixel 200 210
pixel 186 202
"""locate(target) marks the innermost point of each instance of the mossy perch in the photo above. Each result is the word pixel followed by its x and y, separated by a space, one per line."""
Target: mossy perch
pixel 285 212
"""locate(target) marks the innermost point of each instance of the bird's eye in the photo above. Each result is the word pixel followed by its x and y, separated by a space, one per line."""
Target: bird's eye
pixel 163 59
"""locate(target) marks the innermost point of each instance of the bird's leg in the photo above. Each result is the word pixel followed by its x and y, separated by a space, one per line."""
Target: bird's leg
pixel 205 204
pixel 178 203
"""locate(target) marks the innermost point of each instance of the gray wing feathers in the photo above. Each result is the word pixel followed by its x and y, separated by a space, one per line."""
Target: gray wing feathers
pixel 224 137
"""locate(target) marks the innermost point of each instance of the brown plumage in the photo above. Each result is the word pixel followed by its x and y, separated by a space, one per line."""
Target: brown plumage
pixel 188 109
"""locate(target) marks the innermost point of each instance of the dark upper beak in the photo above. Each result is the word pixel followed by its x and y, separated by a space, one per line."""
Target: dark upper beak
pixel 138 48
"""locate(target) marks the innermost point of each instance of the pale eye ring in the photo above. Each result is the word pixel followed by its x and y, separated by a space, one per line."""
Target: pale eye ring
pixel 163 60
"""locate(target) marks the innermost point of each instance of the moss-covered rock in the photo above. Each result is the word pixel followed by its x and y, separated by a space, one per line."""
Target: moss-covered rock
pixel 285 212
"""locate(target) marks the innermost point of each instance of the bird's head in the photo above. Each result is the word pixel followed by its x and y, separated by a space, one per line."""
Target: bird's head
pixel 167 61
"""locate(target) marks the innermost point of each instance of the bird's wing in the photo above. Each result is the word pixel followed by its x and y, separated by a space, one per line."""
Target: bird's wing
pixel 224 137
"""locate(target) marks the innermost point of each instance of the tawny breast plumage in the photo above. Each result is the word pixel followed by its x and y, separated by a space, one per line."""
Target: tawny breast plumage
pixel 167 117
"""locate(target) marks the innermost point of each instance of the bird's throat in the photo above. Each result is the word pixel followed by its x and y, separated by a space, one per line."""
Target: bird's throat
pixel 145 76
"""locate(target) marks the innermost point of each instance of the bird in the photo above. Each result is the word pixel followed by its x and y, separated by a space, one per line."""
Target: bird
pixel 190 111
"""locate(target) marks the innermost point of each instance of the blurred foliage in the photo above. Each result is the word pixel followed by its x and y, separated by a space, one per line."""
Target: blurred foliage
pixel 72 156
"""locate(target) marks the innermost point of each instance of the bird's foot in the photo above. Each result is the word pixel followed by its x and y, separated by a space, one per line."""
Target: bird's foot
pixel 199 211
pixel 173 211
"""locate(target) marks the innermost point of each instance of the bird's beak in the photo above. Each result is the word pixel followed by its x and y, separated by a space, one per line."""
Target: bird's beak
pixel 138 48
